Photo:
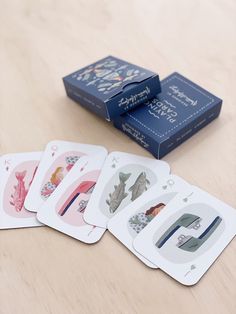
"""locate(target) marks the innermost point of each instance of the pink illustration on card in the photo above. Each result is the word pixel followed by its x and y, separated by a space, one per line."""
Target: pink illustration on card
pixel 17 188
pixel 71 206
pixel 58 170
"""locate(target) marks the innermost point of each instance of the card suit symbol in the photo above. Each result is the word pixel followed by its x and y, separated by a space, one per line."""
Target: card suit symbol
pixel 7 163
pixel 193 267
pixel 164 187
pixel 115 159
pixel 54 149
pixel 114 162
pixel 91 230
pixel 82 168
pixel 185 199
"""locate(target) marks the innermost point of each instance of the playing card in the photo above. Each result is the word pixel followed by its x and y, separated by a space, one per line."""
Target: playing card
pixel 65 208
pixel 187 237
pixel 57 160
pixel 128 223
pixel 17 172
pixel 123 179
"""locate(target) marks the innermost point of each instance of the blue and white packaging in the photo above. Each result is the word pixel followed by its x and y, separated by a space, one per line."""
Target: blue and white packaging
pixel 111 86
pixel 178 112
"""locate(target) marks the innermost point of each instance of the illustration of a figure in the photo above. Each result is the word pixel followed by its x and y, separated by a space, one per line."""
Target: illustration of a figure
pixel 190 243
pixel 187 220
pixel 55 180
pixel 141 220
pixel 57 176
pixel 85 187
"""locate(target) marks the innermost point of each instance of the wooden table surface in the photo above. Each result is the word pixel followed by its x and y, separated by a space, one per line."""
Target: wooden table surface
pixel 44 271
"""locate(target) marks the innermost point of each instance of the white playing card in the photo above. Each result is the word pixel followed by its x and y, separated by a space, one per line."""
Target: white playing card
pixel 128 223
pixel 64 209
pixel 187 237
pixel 123 179
pixel 57 160
pixel 16 173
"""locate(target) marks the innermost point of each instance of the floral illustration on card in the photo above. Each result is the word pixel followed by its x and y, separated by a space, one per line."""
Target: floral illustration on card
pixel 140 220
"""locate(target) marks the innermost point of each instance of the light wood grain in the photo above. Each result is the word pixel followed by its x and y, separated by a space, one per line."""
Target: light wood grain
pixel 44 271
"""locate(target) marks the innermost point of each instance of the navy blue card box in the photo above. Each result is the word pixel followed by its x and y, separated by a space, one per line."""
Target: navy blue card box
pixel 110 87
pixel 162 124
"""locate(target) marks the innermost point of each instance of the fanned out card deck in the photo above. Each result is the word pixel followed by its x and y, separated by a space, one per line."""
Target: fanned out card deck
pixel 81 190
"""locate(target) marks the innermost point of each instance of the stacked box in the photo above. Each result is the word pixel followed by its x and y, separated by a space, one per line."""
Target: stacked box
pixel 176 114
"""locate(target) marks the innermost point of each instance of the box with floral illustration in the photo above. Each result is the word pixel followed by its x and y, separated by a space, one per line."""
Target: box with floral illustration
pixel 111 87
